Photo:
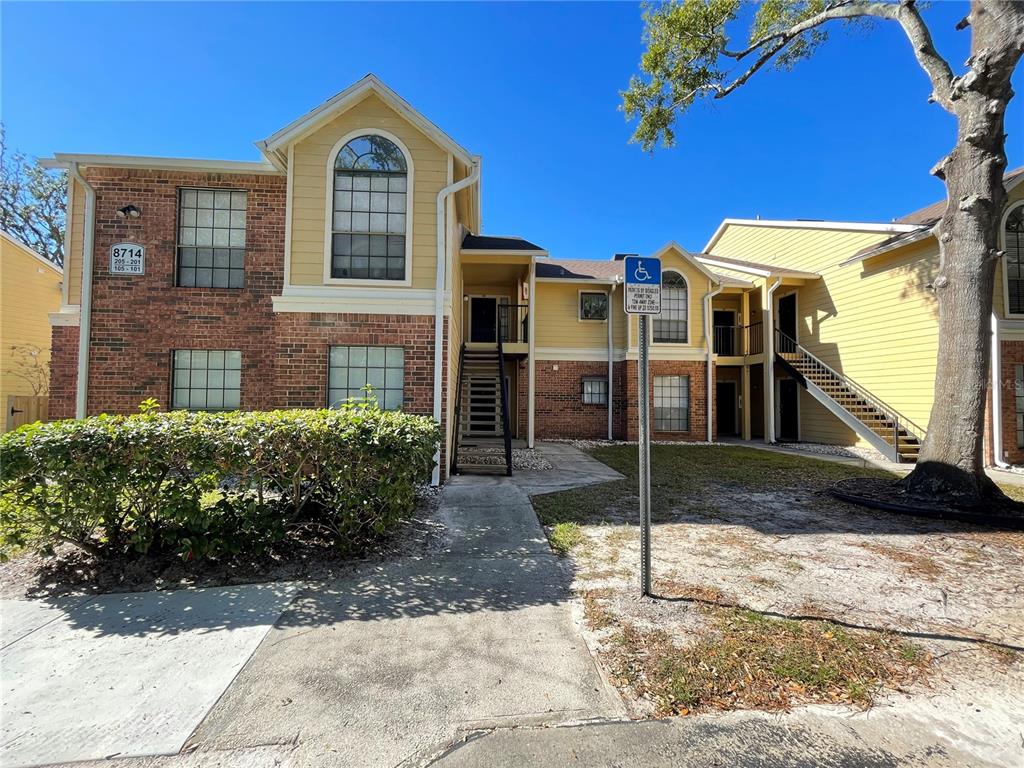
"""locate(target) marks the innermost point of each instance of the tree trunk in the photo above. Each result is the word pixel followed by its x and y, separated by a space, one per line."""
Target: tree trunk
pixel 951 463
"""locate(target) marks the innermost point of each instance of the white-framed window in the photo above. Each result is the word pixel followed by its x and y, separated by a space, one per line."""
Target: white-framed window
pixel 1013 262
pixel 369 211
pixel 672 403
pixel 206 379
pixel 1018 392
pixel 211 237
pixel 593 305
pixel 351 368
pixel 671 326
pixel 595 390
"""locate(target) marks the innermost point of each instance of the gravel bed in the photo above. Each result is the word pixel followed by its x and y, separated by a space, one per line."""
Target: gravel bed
pixel 522 458
pixel 849 451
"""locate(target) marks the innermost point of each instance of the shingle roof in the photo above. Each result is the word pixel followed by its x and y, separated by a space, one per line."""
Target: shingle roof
pixel 492 243
pixel 579 269
pixel 742 264
pixel 926 218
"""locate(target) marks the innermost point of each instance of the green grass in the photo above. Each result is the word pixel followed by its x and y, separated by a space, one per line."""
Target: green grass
pixel 564 536
pixel 687 476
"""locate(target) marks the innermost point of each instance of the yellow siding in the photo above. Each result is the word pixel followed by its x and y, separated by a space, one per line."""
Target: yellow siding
pixel 558 324
pixel 29 291
pixel 698 287
pixel 874 321
pixel 75 229
pixel 309 190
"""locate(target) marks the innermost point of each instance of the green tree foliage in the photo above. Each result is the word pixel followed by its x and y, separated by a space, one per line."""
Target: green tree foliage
pixel 33 201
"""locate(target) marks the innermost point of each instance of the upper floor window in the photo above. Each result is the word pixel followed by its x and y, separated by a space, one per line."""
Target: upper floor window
pixel 593 305
pixel 1013 245
pixel 211 238
pixel 671 325
pixel 369 225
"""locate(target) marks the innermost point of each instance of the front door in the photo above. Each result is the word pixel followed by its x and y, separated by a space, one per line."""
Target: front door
pixel 787 316
pixel 725 334
pixel 483 319
pixel 789 404
pixel 725 408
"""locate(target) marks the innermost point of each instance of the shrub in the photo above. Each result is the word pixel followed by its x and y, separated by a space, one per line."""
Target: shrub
pixel 211 484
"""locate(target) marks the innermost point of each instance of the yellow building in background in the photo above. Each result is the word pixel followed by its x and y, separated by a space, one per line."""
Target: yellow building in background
pixel 30 289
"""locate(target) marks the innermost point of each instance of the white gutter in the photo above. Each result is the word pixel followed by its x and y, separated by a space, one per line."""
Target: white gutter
pixel 708 341
pixel 439 291
pixel 85 307
pixel 997 398
pixel 769 363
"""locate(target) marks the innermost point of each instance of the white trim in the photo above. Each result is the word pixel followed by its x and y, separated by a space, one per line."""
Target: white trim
pixel 288 213
pixel 709 394
pixel 357 304
pixel 746 269
pixel 65 287
pixel 768 366
pixel 329 209
pixel 997 396
pixel 1002 247
pixel 892 228
pixel 688 257
pixel 666 352
pixel 579 354
pixel 579 306
pixel 531 322
pixel 31 252
pixel 579 280
pixel 880 250
pixel 496 252
pixel 298 129
pixel 197 165
pixel 85 310
pixel 1011 329
pixel 65 317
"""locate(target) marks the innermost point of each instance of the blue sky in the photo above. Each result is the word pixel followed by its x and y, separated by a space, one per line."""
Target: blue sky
pixel 532 87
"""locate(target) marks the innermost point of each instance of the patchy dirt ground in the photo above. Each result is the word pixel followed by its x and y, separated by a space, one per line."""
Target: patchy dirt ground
pixel 736 527
pixel 303 556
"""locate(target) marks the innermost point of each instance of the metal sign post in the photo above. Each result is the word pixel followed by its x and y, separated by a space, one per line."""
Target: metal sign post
pixel 643 297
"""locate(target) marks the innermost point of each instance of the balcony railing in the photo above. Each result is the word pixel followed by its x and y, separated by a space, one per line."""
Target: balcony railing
pixel 738 340
pixel 513 323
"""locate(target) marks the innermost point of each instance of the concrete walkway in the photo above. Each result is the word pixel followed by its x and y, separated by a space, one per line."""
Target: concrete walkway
pixel 129 674
pixel 394 664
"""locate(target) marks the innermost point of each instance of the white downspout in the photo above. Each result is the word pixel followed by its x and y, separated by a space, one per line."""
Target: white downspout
pixel 439 287
pixel 85 305
pixel 710 349
pixel 997 398
pixel 769 363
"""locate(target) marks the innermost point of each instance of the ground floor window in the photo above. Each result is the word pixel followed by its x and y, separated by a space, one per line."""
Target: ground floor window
pixel 1018 390
pixel 351 369
pixel 206 379
pixel 595 391
pixel 672 403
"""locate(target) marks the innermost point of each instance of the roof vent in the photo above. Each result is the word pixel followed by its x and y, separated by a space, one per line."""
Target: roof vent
pixel 621 256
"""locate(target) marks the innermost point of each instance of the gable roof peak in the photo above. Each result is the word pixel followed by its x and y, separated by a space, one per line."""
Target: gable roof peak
pixel 274 147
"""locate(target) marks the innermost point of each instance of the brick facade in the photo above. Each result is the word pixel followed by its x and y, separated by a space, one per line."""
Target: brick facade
pixel 696 370
pixel 1011 354
pixel 559 410
pixel 137 321
pixel 63 371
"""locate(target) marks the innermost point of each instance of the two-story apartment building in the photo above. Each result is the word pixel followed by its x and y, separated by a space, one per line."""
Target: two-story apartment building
pixel 353 255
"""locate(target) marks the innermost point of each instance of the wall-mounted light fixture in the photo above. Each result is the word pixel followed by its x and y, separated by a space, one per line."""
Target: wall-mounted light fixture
pixel 128 212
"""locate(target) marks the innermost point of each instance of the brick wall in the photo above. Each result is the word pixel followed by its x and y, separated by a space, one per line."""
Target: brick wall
pixel 138 320
pixel 1011 354
pixel 558 401
pixel 696 370
pixel 63 371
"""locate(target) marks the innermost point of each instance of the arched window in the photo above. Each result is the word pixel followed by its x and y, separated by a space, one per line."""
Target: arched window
pixel 368 225
pixel 671 325
pixel 1013 245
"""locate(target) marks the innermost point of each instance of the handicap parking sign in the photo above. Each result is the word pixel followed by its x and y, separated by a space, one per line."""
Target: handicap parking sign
pixel 643 285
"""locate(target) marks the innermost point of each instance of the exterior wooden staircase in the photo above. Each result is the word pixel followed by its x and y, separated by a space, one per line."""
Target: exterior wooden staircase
pixel 882 426
pixel 481 411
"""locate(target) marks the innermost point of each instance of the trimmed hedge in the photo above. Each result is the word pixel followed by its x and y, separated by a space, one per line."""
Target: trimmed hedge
pixel 212 484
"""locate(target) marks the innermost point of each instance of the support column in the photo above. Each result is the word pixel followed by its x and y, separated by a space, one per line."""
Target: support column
pixel 745 430
pixel 531 324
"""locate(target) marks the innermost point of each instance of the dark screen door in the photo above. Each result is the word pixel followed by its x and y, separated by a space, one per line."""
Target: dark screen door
pixel 483 319
pixel 789 402
pixel 787 316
